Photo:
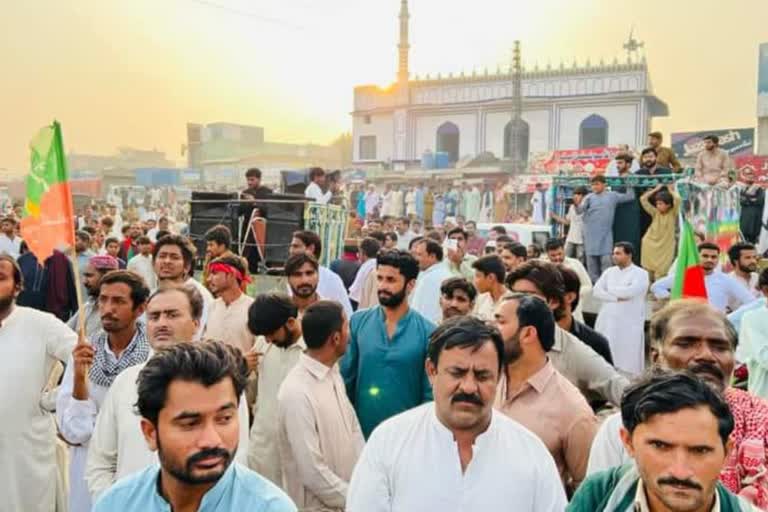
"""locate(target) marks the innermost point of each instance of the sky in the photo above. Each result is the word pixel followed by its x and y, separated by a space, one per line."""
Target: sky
pixel 134 72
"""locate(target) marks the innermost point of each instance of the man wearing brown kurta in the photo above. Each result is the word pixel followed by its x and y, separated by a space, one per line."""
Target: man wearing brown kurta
pixel 665 157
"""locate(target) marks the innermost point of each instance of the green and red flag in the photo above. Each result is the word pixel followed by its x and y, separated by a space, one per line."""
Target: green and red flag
pixel 48 221
pixel 689 274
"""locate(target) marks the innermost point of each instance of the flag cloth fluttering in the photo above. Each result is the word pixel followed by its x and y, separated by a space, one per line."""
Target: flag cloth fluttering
pixel 48 221
pixel 689 274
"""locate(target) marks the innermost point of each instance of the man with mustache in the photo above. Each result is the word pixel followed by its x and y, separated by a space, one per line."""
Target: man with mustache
pixel 723 291
pixel 457 297
pixel 276 321
pixel 677 429
pixel 92 273
pixel 188 398
pixel 329 284
pixel 533 393
pixel 91 370
pixel 117 446
pixel 303 276
pixel 692 335
pixel 457 453
pixel 383 367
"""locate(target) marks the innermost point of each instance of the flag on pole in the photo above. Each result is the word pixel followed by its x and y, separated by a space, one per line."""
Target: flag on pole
pixel 689 274
pixel 48 221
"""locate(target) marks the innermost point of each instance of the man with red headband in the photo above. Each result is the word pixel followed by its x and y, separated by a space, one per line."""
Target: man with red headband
pixel 228 318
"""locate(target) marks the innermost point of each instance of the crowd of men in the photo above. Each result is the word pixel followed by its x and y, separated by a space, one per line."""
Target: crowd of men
pixel 403 377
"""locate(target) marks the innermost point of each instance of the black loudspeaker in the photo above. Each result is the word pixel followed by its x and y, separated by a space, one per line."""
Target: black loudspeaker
pixel 284 217
pixel 210 209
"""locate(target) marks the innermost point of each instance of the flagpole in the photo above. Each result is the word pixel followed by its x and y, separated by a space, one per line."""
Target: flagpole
pixel 75 260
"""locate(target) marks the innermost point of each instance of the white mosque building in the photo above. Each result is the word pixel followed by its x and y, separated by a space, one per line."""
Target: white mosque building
pixel 563 108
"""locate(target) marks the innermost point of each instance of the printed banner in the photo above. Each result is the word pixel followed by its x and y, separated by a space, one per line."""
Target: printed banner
pixel 758 165
pixel 712 211
pixel 330 224
pixel 737 141
pixel 573 162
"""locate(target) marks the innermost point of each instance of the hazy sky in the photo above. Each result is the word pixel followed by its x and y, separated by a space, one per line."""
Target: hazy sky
pixel 133 72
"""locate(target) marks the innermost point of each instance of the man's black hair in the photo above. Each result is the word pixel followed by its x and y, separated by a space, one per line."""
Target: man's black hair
pixel 663 392
pixel 464 332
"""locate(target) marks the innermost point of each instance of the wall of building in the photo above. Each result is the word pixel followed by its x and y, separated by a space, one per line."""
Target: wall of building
pixel 623 124
pixel 538 126
pixel 426 131
pixel 379 125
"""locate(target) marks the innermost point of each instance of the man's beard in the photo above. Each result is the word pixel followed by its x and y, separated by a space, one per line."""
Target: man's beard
pixel 390 300
pixel 6 302
pixel 449 312
pixel 704 370
pixel 649 164
pixel 184 474
pixel 748 269
pixel 304 291
pixel 512 350
pixel 287 342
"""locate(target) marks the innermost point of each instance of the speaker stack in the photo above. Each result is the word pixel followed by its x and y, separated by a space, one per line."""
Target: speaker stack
pixel 210 209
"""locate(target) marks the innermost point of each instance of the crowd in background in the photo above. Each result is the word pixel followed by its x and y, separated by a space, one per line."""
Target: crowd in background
pixel 427 368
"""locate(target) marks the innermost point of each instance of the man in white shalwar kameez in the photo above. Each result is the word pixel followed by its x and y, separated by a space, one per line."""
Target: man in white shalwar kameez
pixel 30 343
pixel 622 290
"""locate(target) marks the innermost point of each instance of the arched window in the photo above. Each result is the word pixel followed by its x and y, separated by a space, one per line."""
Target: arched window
pixel 523 139
pixel 448 140
pixel 593 132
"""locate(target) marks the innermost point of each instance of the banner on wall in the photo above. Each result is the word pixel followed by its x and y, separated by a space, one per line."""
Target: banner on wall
pixel 758 165
pixel 738 141
pixel 573 162
pixel 712 211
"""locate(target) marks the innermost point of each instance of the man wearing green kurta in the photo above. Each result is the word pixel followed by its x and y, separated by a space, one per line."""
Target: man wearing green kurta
pixel 383 368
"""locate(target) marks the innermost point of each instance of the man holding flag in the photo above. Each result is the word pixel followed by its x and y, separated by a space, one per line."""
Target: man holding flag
pixel 697 275
pixel 31 341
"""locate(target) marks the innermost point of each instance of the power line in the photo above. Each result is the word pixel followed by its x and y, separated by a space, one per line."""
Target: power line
pixel 240 12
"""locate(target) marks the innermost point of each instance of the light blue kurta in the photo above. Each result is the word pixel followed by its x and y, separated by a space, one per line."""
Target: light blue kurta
pixel 239 488
pixel 384 376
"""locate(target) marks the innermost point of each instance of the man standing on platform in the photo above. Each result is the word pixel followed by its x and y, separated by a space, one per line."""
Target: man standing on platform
pixel 314 190
pixel 383 368
pixel 622 290
pixel 712 164
pixel 665 157
pixel 599 209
